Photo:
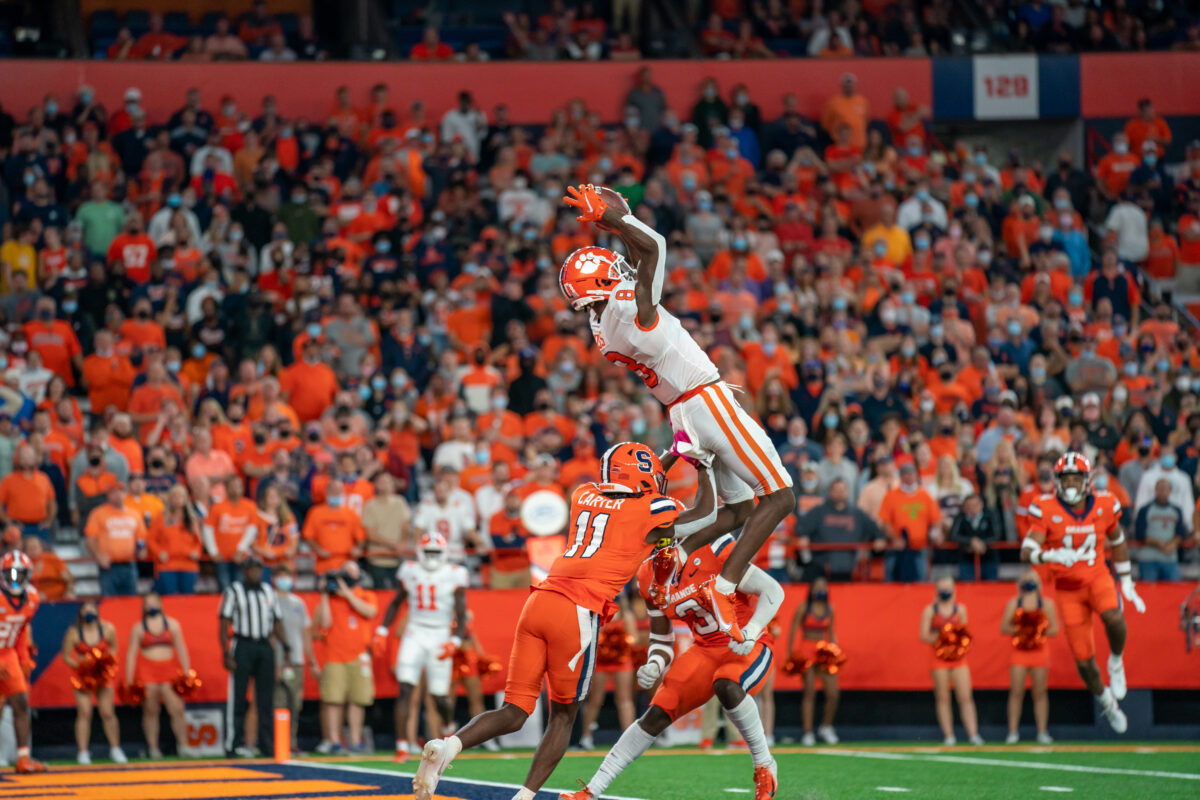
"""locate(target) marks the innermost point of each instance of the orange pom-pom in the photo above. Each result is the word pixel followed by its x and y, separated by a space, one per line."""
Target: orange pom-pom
pixel 187 684
pixel 830 657
pixel 953 643
pixel 796 667
pixel 1031 629
pixel 615 645
pixel 133 694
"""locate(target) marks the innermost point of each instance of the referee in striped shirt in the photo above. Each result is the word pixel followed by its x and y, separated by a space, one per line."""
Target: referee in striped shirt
pixel 250 610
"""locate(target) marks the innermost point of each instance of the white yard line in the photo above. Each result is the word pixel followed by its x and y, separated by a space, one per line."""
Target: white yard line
pixel 447 778
pixel 1056 788
pixel 987 762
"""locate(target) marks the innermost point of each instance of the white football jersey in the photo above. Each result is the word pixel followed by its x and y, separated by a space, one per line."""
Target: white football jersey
pixel 431 594
pixel 452 520
pixel 665 356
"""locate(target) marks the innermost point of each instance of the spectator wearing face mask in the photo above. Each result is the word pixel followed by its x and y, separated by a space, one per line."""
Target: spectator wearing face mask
pixel 1113 170
pixel 332 530
pixel 974 530
pixel 1165 469
pixel 1160 527
pixel 911 521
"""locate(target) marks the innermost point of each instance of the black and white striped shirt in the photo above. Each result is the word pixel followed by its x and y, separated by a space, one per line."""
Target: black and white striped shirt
pixel 253 611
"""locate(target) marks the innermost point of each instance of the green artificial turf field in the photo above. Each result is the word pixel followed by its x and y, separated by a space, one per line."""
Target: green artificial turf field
pixel 963 773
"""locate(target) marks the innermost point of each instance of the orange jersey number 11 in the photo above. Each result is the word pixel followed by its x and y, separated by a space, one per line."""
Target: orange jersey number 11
pixel 421 597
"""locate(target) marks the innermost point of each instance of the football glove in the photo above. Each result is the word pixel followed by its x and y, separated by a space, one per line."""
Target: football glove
pixel 1062 555
pixel 649 673
pixel 1130 594
pixel 585 198
pixel 750 634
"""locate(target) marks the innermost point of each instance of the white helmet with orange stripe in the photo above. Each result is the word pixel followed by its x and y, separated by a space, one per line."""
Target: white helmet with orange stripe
pixel 432 551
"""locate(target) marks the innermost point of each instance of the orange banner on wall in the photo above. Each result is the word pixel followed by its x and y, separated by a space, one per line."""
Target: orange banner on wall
pixel 531 90
pixel 876 624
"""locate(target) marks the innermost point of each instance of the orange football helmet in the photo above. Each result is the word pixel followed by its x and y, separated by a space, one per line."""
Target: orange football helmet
pixel 15 569
pixel 1072 463
pixel 634 466
pixel 590 274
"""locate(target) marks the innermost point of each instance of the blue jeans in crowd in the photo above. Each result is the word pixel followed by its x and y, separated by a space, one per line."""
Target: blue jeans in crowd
pixel 38 530
pixel 1158 570
pixel 227 573
pixel 905 566
pixel 175 583
pixel 119 580
pixel 988 567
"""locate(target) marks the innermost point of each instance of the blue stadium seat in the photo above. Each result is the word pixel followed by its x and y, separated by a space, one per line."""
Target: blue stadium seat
pixel 793 47
pixel 178 23
pixel 138 21
pixel 100 45
pixel 104 23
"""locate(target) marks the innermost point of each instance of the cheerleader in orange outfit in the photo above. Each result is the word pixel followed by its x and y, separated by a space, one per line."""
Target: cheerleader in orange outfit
pixel 614 659
pixel 1029 621
pixel 89 632
pixel 949 671
pixel 156 656
pixel 814 620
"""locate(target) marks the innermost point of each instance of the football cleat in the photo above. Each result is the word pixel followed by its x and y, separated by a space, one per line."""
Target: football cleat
pixel 401 756
pixel 583 793
pixel 828 734
pixel 435 758
pixel 26 765
pixel 1116 718
pixel 721 608
pixel 1116 678
pixel 765 781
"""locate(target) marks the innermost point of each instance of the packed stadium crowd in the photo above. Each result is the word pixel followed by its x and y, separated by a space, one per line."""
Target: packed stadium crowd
pixel 731 29
pixel 336 334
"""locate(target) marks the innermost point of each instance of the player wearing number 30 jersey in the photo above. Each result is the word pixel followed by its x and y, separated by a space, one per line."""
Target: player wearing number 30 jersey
pixel 614 526
pixel 632 329
pixel 1069 531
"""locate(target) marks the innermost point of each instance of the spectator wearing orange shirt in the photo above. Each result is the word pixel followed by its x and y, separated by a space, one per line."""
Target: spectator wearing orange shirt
pixel 911 520
pixel 108 377
pixel 356 490
pixel 510 559
pixel 1147 126
pixel 431 48
pixel 765 359
pixel 27 496
pixel 309 384
pixel 114 536
pixel 121 439
pixel 141 330
pixel 229 530
pixel 205 460
pixel 1163 255
pixel 150 399
pixel 174 545
pixel 1187 277
pixel 906 118
pixel 344 613
pixel 1113 171
pixel 848 107
pixel 50 575
pixel 333 531
pixel 55 341
pixel 156 44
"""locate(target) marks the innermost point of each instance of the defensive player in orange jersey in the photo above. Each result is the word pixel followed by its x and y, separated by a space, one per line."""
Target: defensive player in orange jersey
pixel 632 329
pixel 714 664
pixel 1069 530
pixel 18 603
pixel 614 526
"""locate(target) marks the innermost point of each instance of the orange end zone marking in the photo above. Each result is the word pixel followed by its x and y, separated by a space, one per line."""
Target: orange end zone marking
pixel 152 790
pixel 133 775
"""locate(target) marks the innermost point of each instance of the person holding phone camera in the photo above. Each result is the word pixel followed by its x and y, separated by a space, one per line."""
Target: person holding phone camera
pixel 344 614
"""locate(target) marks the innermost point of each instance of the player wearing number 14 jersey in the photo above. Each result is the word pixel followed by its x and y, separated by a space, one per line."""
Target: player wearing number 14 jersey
pixel 18 603
pixel 1069 531
pixel 615 525
pixel 632 329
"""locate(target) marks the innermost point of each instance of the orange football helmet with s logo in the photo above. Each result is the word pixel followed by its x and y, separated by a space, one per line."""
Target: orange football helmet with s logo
pixel 635 466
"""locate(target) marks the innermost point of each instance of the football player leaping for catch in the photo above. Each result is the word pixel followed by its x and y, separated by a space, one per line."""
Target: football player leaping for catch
pixel 632 329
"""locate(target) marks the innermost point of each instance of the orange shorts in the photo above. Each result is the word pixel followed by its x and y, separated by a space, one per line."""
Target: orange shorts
pixel 689 681
pixel 149 672
pixel 1077 607
pixel 12 677
pixel 556 639
pixel 1030 658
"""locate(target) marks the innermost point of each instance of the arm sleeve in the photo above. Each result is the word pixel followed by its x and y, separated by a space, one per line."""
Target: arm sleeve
pixel 683 529
pixel 660 268
pixel 1139 527
pixel 770 595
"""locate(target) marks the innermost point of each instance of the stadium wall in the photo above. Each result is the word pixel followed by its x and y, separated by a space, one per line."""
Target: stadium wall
pixel 980 87
pixel 877 625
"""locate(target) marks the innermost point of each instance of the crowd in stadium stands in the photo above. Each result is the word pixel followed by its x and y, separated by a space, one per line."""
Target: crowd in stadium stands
pixel 226 332
pixel 733 29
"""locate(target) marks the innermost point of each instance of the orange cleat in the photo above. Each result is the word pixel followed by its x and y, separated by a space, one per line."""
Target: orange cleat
pixel 401 757
pixel 721 607
pixel 27 765
pixel 705 744
pixel 765 782
pixel 584 793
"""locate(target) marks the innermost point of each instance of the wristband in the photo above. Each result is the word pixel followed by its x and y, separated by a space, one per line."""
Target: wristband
pixel 1124 569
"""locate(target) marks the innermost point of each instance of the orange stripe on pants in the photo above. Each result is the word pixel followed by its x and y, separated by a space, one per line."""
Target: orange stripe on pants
pixel 749 462
pixel 776 483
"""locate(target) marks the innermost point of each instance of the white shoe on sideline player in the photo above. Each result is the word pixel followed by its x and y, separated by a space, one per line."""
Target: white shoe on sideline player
pixel 828 734
pixel 977 740
pixel 1116 718
pixel 491 746
pixel 1116 677
pixel 808 740
pixel 117 755
pixel 435 758
pixel 1045 738
pixel 1012 738
pixel 83 757
pixel 949 741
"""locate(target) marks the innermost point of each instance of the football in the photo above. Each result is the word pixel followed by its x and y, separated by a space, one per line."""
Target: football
pixel 613 199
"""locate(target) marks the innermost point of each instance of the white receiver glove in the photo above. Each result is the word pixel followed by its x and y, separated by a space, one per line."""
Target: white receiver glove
pixel 1130 594
pixel 649 673
pixel 750 634
pixel 1062 555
